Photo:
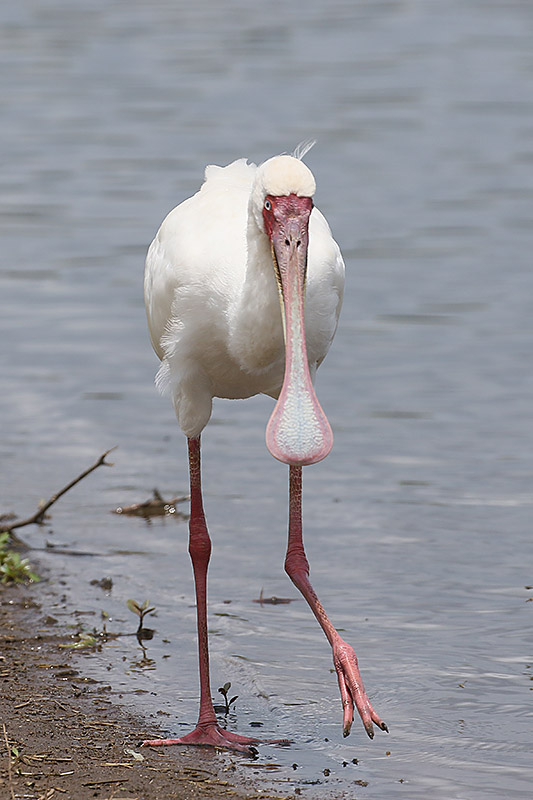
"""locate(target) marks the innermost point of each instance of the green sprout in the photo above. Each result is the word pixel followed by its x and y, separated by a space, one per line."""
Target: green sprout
pixel 13 568
pixel 85 639
pixel 227 703
pixel 141 611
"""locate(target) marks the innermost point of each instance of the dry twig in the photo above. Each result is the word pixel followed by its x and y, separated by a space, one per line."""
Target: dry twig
pixel 38 517
pixel 273 601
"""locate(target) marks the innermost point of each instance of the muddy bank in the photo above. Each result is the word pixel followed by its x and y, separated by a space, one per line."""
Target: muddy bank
pixel 61 736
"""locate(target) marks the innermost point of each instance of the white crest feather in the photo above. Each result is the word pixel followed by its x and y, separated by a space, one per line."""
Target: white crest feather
pixel 301 149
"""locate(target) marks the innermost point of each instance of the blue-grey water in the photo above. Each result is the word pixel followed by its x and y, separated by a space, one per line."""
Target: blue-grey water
pixel 418 525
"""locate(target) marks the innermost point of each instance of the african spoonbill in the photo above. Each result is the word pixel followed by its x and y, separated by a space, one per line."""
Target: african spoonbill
pixel 227 278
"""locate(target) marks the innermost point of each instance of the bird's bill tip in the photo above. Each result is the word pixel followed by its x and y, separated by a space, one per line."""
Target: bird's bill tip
pixel 298 439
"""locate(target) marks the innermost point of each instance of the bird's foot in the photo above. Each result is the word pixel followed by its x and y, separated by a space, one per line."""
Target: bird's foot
pixel 352 690
pixel 213 735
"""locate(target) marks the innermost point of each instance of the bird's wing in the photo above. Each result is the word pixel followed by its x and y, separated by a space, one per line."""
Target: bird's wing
pixel 198 244
pixel 325 288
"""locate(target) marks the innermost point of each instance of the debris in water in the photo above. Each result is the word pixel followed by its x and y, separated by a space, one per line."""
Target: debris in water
pixel 274 601
pixel 157 506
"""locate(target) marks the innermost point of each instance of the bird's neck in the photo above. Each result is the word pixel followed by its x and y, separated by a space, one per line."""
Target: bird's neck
pixel 257 336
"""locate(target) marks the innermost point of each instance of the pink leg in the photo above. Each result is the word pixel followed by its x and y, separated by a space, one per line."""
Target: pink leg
pixel 345 661
pixel 207 731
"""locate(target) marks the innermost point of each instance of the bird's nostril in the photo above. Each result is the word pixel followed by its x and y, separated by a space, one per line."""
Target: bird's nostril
pixel 287 242
pixel 298 243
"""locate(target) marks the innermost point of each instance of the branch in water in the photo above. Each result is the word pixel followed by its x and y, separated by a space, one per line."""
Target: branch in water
pixel 38 517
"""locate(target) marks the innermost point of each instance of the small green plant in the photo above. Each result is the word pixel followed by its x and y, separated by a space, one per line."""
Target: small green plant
pixel 91 639
pixel 13 568
pixel 85 639
pixel 141 611
pixel 224 692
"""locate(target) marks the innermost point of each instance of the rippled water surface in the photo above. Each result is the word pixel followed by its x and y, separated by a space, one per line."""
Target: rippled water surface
pixel 418 525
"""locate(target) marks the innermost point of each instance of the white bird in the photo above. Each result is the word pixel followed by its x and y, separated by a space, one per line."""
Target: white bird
pixel 227 277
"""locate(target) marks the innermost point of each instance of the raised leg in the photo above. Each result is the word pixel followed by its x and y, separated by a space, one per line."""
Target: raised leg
pixel 345 661
pixel 207 731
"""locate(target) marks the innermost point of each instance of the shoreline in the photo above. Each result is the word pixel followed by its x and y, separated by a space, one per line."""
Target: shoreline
pixel 66 738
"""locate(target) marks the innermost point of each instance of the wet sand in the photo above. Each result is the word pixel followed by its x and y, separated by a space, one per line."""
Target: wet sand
pixel 66 737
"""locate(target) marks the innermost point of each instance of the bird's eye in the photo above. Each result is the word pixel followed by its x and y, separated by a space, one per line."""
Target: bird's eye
pixel 268 205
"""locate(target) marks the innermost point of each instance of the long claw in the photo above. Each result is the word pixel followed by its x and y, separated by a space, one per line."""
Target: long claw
pixel 352 690
pixel 347 723
pixel 347 705
pixel 379 722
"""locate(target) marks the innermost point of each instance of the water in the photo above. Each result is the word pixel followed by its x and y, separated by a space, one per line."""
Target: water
pixel 418 524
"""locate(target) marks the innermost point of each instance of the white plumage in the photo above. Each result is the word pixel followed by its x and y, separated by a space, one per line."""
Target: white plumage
pixel 211 294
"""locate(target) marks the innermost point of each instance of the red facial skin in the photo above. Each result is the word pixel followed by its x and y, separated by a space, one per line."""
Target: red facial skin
pixel 285 208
